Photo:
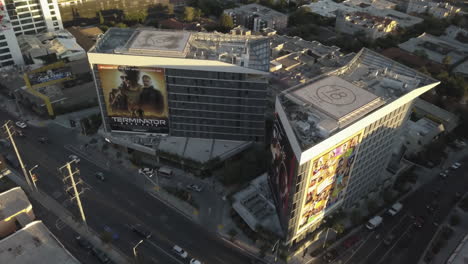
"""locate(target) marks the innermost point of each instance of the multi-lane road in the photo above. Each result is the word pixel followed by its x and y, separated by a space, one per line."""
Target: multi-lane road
pixel 118 202
pixel 408 241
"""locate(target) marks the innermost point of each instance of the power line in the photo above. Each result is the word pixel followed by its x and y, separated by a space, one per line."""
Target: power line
pixel 70 176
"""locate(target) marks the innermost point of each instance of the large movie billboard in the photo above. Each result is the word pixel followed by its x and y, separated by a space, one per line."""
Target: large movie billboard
pixel 282 170
pixel 135 98
pixel 328 179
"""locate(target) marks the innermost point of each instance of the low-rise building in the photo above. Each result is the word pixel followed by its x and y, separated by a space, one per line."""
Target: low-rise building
pixel 257 17
pixel 34 243
pixel 331 9
pixel 436 9
pixel 438 49
pixel 424 109
pixel 15 210
pixel 420 133
pixel 373 27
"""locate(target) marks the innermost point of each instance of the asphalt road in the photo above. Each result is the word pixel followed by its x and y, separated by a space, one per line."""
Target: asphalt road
pixel 117 202
pixel 409 241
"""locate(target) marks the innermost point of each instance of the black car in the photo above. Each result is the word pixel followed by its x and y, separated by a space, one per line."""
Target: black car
pixel 330 256
pixel 43 140
pixel 100 176
pixel 141 231
pixel 103 258
pixel 83 243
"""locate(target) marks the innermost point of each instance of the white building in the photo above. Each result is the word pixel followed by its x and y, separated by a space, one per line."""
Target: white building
pixel 373 27
pixel 334 135
pixel 437 9
pixel 24 17
pixel 330 9
pixel 257 17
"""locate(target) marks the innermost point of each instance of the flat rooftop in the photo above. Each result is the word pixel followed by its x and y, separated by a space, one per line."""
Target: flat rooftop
pixel 332 101
pixel 246 51
pixel 12 202
pixel 34 244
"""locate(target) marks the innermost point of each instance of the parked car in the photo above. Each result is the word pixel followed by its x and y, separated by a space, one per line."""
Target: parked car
pixel 389 239
pixel 179 251
pixel 396 207
pixel 83 243
pixel 21 124
pixel 351 241
pixel 140 230
pixel 74 157
pixel 418 222
pixel 443 175
pixel 330 256
pixel 194 187
pixel 195 261
pixel 146 171
pixel 100 176
pixel 103 258
pixel 456 165
pixel 374 222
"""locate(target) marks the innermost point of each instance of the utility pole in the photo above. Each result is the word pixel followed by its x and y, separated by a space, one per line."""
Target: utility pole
pixel 73 186
pixel 10 137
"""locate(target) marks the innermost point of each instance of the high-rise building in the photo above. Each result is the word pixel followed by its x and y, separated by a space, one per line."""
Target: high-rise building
pixel 333 138
pixel 180 83
pixel 18 17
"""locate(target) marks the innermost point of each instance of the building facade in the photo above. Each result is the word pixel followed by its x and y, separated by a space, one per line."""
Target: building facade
pixel 373 27
pixel 20 17
pixel 334 134
pixel 209 85
pixel 439 10
pixel 257 17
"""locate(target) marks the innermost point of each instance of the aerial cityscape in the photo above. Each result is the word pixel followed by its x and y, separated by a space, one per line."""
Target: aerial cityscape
pixel 233 131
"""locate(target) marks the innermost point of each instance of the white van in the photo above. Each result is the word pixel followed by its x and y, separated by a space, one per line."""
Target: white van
pixel 165 172
pixel 374 222
pixel 395 209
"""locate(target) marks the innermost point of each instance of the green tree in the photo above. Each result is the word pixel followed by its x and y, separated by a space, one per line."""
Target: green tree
pixel 355 217
pixel 447 60
pixel 338 227
pixel 170 9
pixel 372 206
pixel 189 13
pixel 121 25
pixel 421 53
pixel 454 220
pixel 101 18
pixel 226 21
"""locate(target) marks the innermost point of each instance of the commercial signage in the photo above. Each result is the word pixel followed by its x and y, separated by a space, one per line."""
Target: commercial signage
pixel 135 98
pixel 327 180
pixel 49 77
pixel 282 170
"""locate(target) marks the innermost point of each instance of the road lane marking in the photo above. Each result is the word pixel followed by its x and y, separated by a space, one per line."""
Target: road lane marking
pixel 396 242
pixel 84 156
pixel 164 251
pixel 357 249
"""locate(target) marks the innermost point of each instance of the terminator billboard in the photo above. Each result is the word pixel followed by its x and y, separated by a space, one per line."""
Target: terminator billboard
pixel 135 98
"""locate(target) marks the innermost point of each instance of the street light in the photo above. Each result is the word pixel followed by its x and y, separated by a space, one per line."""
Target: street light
pixel 134 248
pixel 34 179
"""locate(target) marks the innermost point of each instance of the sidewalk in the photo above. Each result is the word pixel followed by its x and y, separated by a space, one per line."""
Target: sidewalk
pixel 459 232
pixel 116 255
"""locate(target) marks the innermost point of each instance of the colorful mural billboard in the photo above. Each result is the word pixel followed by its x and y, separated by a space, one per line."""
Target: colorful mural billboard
pixel 135 98
pixel 327 180
pixel 282 170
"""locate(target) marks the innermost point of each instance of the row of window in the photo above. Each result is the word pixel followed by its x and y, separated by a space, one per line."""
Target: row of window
pixel 218 129
pixel 218 107
pixel 216 83
pixel 206 74
pixel 216 122
pixel 217 115
pixel 220 91
pixel 217 100
pixel 226 136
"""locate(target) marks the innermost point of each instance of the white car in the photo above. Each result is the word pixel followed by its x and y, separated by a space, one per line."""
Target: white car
pixel 456 165
pixel 179 251
pixel 194 187
pixel 195 261
pixel 146 171
pixel 74 157
pixel 443 175
pixel 21 124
